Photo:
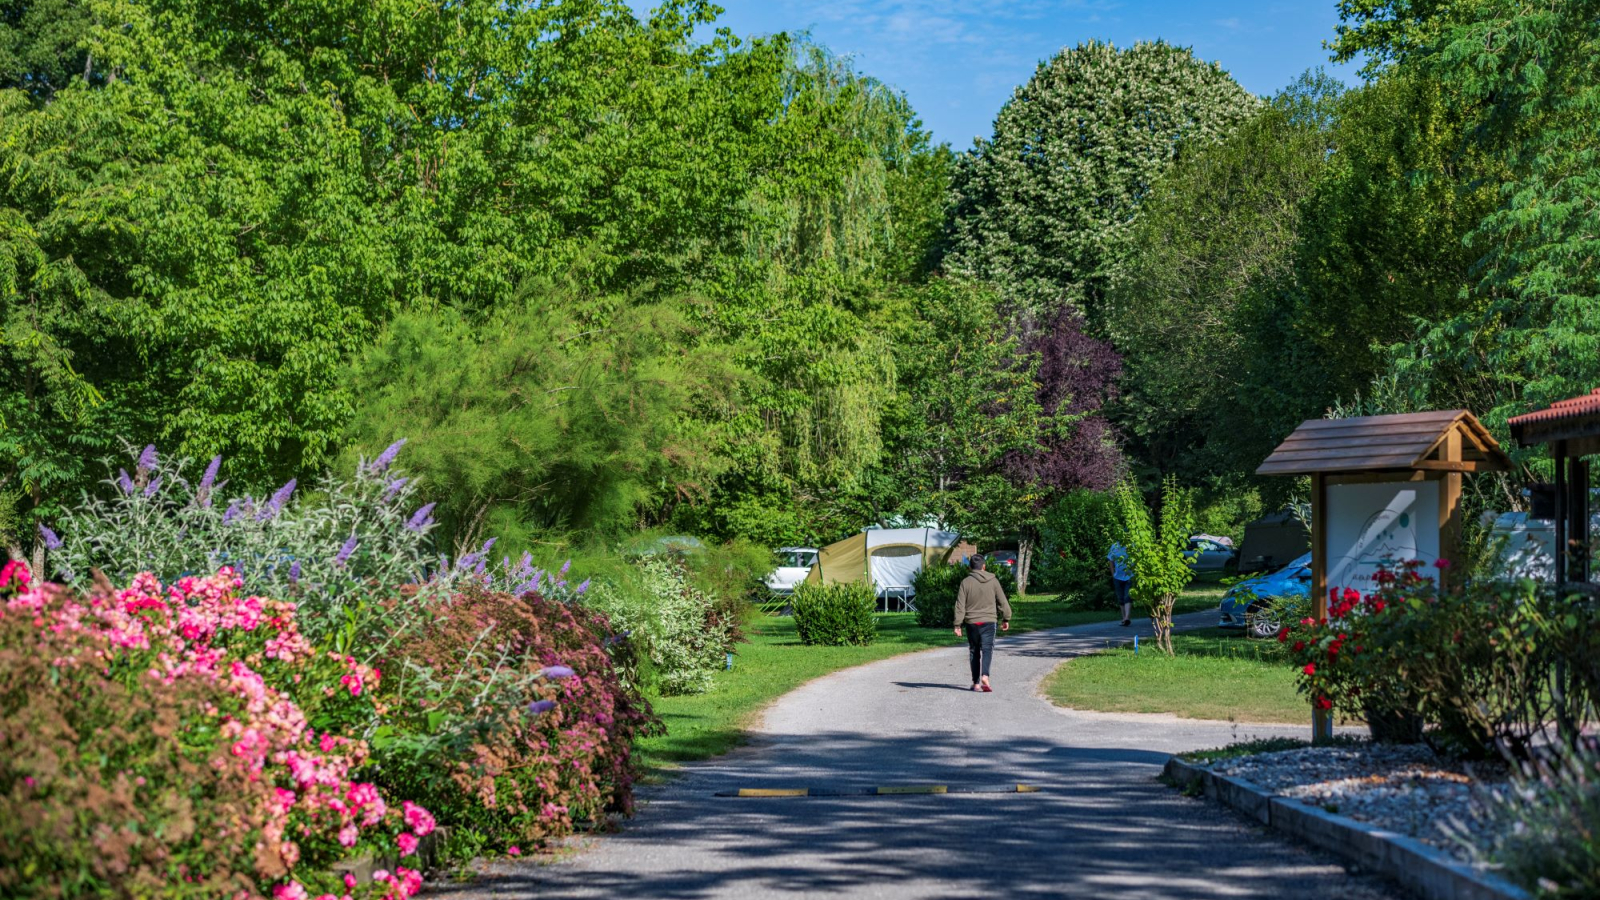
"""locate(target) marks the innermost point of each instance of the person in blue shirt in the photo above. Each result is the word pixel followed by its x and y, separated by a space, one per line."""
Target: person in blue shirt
pixel 1121 580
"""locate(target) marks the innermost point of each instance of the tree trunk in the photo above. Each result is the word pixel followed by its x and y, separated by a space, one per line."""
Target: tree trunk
pixel 1161 621
pixel 1024 562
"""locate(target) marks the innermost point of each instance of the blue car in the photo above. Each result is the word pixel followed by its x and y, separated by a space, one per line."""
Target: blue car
pixel 1244 605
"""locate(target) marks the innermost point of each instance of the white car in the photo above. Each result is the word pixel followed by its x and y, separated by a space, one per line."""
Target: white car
pixel 794 564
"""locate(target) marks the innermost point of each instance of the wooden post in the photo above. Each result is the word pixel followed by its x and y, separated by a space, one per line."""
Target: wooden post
pixel 1450 515
pixel 1321 721
pixel 1558 452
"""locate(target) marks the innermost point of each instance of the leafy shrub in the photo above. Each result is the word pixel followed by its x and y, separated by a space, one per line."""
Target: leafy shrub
pixel 1473 662
pixel 1006 577
pixel 1157 553
pixel 836 615
pixel 1074 537
pixel 1226 511
pixel 1548 824
pixel 553 757
pixel 159 741
pixel 936 588
pixel 678 626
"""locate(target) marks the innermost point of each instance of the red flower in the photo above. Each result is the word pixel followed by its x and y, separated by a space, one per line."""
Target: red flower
pixel 1310 669
pixel 1441 564
pixel 1283 634
pixel 1299 645
pixel 1323 703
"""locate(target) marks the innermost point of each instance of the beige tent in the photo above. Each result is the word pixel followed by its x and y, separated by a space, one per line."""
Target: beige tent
pixel 890 557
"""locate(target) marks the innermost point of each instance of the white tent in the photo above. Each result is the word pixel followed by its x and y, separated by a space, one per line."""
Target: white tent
pixel 890 557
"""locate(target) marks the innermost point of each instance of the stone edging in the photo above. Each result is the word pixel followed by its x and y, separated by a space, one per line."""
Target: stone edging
pixel 1429 872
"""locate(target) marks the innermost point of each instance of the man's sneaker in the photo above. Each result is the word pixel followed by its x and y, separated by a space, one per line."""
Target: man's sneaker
pixel 1126 623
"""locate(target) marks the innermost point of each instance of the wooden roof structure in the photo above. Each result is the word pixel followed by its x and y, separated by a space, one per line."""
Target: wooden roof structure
pixel 1575 421
pixel 1408 442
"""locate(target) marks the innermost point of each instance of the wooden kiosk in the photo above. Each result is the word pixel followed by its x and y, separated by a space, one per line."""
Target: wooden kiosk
pixel 1384 489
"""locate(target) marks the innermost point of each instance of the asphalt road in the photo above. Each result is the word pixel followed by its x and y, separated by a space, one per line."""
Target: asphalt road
pixel 1101 825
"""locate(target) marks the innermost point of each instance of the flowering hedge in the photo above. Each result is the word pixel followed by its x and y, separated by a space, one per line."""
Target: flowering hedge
pixel 556 757
pixel 161 741
pixel 1491 666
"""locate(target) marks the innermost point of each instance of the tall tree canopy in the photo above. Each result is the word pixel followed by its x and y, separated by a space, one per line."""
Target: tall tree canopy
pixel 1044 208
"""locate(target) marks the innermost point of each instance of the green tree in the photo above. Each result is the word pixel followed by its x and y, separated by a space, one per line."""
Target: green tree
pixel 42 46
pixel 1044 208
pixel 1157 551
pixel 1219 230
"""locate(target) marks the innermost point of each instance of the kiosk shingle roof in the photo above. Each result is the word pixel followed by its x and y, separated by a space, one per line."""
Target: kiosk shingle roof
pixel 1409 441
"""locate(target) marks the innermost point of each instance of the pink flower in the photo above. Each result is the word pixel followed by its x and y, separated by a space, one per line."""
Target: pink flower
pixel 349 881
pixel 420 820
pixel 407 843
pixel 291 891
pixel 514 850
pixel 380 875
pixel 348 834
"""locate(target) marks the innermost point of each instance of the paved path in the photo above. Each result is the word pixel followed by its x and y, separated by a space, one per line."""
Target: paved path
pixel 1101 827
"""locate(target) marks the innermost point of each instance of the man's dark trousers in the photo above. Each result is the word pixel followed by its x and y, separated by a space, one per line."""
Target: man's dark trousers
pixel 980 647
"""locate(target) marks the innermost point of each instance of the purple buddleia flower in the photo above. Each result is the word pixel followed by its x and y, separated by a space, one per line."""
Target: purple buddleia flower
pixel 386 457
pixel 564 567
pixel 487 546
pixel 467 562
pixel 275 504
pixel 556 672
pixel 343 555
pixel 233 511
pixel 51 541
pixel 147 460
pixel 153 486
pixel 210 476
pixel 294 570
pixel 482 567
pixel 393 488
pixel 207 480
pixel 583 587
pixel 124 482
pixel 422 518
pixel 540 707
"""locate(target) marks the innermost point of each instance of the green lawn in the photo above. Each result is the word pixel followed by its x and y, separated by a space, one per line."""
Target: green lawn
pixel 774 662
pixel 1215 675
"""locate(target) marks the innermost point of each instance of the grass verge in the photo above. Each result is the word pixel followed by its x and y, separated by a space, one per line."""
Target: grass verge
pixel 774 662
pixel 1215 674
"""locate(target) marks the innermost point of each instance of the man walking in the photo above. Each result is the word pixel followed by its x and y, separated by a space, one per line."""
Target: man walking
pixel 1121 580
pixel 979 605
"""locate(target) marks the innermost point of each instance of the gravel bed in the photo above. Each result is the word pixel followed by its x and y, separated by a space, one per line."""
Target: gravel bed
pixel 1404 788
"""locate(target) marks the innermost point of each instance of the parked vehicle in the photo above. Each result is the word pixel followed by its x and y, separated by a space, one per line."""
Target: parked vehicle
pixel 1007 558
pixel 1209 553
pixel 794 564
pixel 1247 604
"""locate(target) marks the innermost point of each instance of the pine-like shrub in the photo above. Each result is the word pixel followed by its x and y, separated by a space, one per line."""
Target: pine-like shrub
pixel 936 588
pixel 836 615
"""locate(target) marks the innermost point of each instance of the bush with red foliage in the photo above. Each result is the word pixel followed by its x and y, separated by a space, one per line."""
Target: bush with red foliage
pixel 559 759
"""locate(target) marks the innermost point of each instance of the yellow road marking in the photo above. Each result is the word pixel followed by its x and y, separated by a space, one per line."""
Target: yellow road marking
pixel 914 789
pixel 774 792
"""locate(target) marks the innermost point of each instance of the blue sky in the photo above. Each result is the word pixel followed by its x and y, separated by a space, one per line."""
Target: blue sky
pixel 959 60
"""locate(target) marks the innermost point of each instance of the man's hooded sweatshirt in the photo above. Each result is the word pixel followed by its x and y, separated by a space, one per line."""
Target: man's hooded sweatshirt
pixel 981 600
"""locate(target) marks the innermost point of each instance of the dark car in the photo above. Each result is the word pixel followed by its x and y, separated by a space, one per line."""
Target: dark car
pixel 1007 558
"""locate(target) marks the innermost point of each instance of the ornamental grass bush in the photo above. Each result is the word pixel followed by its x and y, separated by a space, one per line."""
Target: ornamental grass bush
pixel 936 588
pixel 836 615
pixel 1547 834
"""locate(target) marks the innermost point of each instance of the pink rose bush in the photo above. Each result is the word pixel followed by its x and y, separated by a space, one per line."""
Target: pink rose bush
pixel 183 740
